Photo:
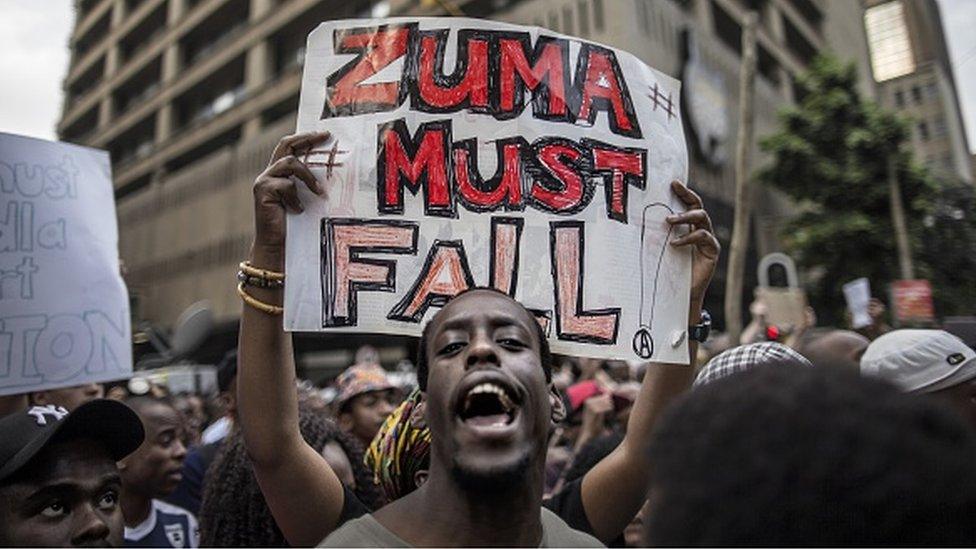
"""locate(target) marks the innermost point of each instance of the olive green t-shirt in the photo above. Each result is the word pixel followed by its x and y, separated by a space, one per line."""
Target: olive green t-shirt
pixel 366 531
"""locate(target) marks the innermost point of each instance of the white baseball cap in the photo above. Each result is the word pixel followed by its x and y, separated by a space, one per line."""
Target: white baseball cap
pixel 919 361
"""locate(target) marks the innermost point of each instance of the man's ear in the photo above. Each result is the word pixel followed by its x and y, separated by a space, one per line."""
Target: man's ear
pixel 419 478
pixel 38 398
pixel 418 416
pixel 556 404
pixel 345 422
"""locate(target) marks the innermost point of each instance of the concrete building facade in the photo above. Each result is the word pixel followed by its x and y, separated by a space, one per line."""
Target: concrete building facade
pixel 189 96
pixel 911 64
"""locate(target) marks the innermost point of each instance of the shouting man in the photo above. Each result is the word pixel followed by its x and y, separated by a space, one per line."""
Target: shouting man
pixel 485 368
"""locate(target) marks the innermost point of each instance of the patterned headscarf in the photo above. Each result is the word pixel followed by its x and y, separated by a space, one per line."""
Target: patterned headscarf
pixel 400 448
pixel 747 357
pixel 359 379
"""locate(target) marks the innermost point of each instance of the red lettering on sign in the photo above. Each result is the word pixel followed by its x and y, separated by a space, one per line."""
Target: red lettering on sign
pixel 444 275
pixel 548 68
pixel 505 188
pixel 416 163
pixel 603 89
pixel 568 198
pixel 572 322
pixel 345 273
pixel 623 167
pixel 473 86
pixel 376 48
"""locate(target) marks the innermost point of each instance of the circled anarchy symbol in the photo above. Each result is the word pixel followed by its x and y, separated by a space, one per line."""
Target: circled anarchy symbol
pixel 643 343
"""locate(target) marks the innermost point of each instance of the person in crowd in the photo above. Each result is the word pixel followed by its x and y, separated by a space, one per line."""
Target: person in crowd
pixel 878 326
pixel 234 513
pixel 227 396
pixel 116 390
pixel 588 408
pixel 812 457
pixel 747 357
pixel 399 455
pixel 841 348
pixel 633 535
pixel 59 484
pixel 192 408
pixel 484 370
pixel 760 329
pixel 367 354
pixel 151 473
pixel 68 397
pixel 930 362
pixel 189 491
pixel 13 403
pixel 366 397
pixel 461 502
pixel 588 456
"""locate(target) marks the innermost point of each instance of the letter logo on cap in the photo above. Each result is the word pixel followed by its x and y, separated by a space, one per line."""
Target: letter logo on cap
pixel 955 358
pixel 50 410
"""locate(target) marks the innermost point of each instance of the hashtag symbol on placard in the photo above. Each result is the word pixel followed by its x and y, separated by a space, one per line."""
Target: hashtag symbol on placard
pixel 661 100
pixel 330 161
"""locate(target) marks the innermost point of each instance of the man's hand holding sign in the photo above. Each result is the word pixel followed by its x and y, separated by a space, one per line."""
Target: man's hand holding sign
pixel 556 131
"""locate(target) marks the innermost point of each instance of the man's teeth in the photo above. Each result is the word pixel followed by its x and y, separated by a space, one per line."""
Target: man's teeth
pixel 491 388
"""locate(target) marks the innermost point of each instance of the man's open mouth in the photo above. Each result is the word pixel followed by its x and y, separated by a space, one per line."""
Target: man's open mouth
pixel 488 404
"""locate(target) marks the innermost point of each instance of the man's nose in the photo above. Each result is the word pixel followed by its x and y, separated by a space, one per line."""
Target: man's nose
pixel 92 527
pixel 385 407
pixel 179 451
pixel 482 350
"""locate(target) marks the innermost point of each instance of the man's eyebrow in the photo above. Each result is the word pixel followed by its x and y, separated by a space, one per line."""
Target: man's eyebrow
pixel 61 487
pixel 496 321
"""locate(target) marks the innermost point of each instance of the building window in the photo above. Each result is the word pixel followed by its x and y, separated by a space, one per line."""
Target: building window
pixel 888 42
pixel 583 15
pixel 917 95
pixel 598 15
pixel 899 98
pixel 727 28
pixel 568 19
pixel 553 21
pixel 923 131
pixel 939 127
pixel 809 10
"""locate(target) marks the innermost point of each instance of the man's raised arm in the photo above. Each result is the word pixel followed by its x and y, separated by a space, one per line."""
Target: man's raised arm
pixel 615 489
pixel 302 491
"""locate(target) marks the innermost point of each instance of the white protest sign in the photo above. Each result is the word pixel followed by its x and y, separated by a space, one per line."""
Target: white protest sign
pixel 857 293
pixel 472 153
pixel 64 309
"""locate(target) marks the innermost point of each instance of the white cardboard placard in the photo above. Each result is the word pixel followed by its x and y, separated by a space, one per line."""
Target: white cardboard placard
pixel 64 309
pixel 421 111
pixel 857 293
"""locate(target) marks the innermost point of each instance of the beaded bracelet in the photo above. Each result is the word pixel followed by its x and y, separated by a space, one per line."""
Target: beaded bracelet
pixel 250 300
pixel 248 275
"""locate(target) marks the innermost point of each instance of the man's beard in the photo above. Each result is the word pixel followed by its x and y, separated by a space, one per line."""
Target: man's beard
pixel 496 480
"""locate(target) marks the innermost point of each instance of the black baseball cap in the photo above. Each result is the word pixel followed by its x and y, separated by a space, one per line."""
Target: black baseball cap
pixel 24 434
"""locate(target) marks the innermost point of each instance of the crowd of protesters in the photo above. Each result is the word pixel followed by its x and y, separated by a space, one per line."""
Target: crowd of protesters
pixel 823 437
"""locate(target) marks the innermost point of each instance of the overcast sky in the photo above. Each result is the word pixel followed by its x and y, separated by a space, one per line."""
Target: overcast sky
pixel 34 58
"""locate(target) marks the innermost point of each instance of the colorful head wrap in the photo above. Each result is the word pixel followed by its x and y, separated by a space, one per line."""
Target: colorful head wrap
pixel 359 379
pixel 400 448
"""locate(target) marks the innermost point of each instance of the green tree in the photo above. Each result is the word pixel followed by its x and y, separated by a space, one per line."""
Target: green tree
pixel 948 256
pixel 831 156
